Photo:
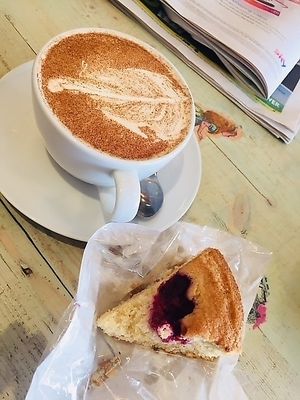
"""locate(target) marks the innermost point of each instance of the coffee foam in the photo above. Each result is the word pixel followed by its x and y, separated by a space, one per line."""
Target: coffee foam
pixel 134 98
pixel 116 95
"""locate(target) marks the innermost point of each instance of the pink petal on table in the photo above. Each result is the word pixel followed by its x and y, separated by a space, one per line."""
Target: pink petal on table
pixel 262 311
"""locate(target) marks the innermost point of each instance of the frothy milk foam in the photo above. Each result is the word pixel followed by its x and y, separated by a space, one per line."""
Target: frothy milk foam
pixel 116 95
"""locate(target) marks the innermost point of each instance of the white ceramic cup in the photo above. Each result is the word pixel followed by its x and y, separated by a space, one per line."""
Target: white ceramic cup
pixel 91 165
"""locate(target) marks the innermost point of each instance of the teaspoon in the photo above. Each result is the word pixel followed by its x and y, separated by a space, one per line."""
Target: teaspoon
pixel 152 197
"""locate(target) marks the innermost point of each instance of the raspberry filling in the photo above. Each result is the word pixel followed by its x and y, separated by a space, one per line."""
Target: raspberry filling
pixel 169 306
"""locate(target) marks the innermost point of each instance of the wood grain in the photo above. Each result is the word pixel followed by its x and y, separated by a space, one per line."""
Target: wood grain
pixel 32 301
pixel 264 372
pixel 63 254
pixel 13 50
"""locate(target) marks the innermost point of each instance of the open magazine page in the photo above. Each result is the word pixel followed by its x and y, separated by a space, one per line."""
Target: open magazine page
pixel 280 114
pixel 263 33
pixel 230 59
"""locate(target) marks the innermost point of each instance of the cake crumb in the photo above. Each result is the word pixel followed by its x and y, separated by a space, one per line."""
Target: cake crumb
pixel 104 370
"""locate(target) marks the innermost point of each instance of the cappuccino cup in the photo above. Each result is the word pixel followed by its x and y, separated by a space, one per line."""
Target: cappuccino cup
pixel 111 109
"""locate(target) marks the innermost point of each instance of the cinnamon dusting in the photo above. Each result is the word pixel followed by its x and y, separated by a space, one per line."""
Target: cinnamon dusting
pixel 82 114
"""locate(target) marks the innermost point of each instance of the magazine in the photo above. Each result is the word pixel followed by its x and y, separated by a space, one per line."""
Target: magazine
pixel 263 82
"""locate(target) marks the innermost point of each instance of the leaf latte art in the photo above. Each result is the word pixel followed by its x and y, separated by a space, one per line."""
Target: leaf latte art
pixel 116 95
pixel 134 98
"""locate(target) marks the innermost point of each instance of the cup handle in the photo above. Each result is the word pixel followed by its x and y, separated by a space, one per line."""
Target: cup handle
pixel 128 193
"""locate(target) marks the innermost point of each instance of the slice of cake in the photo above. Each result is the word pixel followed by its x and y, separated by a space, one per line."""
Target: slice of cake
pixel 194 310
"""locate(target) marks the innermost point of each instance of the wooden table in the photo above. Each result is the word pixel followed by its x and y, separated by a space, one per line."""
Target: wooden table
pixel 250 187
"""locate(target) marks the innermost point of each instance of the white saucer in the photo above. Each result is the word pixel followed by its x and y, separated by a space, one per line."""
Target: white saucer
pixel 34 184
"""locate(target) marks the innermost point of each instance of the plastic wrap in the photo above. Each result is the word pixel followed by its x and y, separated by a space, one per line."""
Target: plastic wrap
pixel 82 363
